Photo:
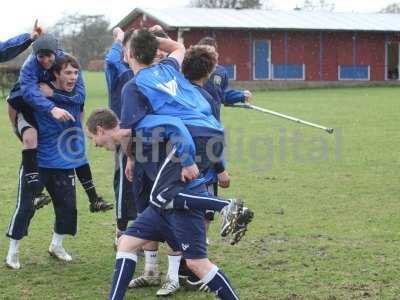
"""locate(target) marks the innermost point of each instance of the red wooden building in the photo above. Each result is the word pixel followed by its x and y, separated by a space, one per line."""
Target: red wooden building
pixel 296 45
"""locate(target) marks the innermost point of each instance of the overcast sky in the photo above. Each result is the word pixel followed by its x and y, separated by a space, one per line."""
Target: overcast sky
pixel 18 16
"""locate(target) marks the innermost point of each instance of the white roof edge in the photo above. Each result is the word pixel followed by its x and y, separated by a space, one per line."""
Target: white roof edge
pixel 242 19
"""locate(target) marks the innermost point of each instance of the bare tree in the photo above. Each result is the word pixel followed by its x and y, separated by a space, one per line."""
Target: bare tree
pixel 229 3
pixel 85 36
pixel 393 8
pixel 311 5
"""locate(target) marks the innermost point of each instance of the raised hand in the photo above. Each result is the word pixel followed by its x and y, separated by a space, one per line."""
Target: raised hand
pixel 118 35
pixel 37 30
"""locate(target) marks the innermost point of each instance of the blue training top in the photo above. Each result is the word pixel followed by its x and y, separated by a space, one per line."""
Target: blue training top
pixel 210 99
pixel 217 86
pixel 14 46
pixel 27 86
pixel 61 145
pixel 157 128
pixel 162 89
pixel 117 73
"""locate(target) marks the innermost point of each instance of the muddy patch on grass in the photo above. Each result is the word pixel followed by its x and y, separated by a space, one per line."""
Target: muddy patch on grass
pixel 362 290
pixel 321 251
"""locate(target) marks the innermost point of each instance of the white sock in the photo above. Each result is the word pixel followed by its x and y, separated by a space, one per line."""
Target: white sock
pixel 150 261
pixel 13 247
pixel 57 239
pixel 210 275
pixel 173 267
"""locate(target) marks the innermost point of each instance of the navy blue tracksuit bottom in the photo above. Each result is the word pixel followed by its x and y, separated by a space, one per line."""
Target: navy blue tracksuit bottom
pixel 124 193
pixel 60 184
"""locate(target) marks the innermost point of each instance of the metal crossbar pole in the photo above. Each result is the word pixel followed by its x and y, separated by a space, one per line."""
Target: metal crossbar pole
pixel 267 111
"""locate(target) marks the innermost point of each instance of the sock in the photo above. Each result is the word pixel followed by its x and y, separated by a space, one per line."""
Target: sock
pixel 84 175
pixel 125 264
pixel 130 223
pixel 29 163
pixel 183 269
pixel 150 262
pixel 57 239
pixel 13 247
pixel 190 201
pixel 173 267
pixel 219 284
pixel 122 224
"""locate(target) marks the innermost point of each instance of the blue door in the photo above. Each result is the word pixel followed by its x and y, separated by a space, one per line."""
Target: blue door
pixel 261 60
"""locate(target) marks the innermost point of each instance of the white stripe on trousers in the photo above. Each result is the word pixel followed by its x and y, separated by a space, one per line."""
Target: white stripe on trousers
pixel 119 278
pixel 201 197
pixel 11 227
pixel 167 160
pixel 121 181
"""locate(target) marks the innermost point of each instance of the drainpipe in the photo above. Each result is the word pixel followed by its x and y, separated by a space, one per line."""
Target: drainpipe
pixel 180 38
pixel 321 56
pixel 386 56
pixel 354 38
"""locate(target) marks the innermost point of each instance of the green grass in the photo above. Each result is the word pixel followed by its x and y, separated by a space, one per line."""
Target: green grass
pixel 327 206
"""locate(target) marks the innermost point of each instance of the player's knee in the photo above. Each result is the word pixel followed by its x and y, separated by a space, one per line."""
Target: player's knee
pixel 73 214
pixel 29 139
pixel 151 246
pixel 194 265
pixel 200 267
pixel 125 244
pixel 26 211
pixel 67 212
pixel 122 244
pixel 170 251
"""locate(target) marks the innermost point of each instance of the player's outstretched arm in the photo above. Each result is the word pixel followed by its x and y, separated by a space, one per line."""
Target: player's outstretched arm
pixel 16 45
pixel 234 96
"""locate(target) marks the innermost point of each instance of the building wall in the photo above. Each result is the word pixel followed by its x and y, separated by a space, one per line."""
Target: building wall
pixel 234 48
pixel 370 49
pixel 312 55
pixel 320 52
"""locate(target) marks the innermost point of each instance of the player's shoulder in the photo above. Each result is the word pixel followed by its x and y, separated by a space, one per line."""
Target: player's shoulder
pixel 126 76
pixel 220 69
pixel 131 89
pixel 29 63
pixel 204 92
pixel 170 61
pixel 217 77
pixel 131 84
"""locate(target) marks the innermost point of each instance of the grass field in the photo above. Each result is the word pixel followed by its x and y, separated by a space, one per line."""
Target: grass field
pixel 327 207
